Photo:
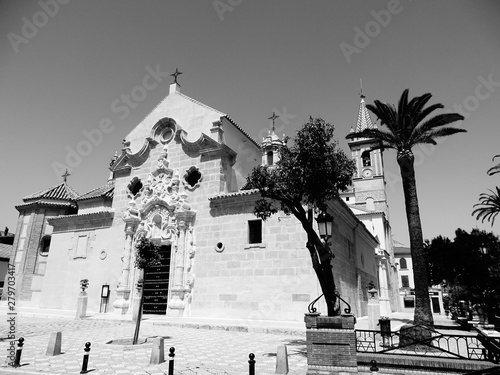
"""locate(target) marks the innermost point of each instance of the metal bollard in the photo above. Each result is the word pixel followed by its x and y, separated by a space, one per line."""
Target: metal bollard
pixel 171 361
pixel 374 366
pixel 85 358
pixel 17 362
pixel 251 364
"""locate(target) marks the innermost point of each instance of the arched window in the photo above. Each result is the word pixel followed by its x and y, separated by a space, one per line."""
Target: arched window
pixel 402 263
pixel 45 245
pixel 370 204
pixel 270 160
pixel 365 157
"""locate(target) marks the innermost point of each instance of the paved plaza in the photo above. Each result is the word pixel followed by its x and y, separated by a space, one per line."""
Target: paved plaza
pixel 198 351
pixel 201 347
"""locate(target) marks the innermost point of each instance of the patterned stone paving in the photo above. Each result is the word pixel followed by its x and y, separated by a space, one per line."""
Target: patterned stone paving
pixel 198 351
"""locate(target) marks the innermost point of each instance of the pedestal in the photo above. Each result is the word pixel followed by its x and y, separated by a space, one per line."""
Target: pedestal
pixel 122 303
pixel 81 310
pixel 331 345
pixel 373 313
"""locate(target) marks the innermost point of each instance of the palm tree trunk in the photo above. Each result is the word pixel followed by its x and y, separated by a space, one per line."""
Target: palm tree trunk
pixel 423 313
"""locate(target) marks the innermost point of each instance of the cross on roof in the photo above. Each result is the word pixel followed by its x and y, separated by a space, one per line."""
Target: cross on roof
pixel 175 75
pixel 65 175
pixel 273 118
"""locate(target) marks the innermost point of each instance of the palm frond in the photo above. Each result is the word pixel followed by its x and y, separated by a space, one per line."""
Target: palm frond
pixel 440 120
pixel 427 111
pixel 443 132
pixel 488 207
pixel 418 103
pixel 495 169
pixel 403 105
pixel 386 113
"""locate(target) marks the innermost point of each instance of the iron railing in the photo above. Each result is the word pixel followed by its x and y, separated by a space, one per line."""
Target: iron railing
pixel 312 309
pixel 437 345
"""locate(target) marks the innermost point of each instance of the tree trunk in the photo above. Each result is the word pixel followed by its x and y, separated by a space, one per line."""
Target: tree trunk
pixel 139 318
pixel 423 313
pixel 321 260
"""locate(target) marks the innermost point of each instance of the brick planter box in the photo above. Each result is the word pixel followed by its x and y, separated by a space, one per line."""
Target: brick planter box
pixel 331 344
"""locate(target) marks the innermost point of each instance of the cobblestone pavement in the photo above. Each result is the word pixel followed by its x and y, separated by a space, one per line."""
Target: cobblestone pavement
pixel 197 351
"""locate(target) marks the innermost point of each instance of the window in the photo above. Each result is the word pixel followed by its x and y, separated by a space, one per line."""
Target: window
pixel 402 264
pixel 405 282
pixel 81 247
pixel 135 186
pixel 365 156
pixel 193 177
pixel 254 231
pixel 409 302
pixel 45 245
pixel 270 160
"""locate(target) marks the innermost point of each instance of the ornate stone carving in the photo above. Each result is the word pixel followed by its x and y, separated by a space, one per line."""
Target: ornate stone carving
pixel 162 213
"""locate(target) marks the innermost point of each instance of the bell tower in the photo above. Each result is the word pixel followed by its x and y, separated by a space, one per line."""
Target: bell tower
pixel 368 180
pixel 271 145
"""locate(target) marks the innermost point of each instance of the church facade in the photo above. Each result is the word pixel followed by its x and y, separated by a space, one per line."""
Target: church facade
pixel 178 181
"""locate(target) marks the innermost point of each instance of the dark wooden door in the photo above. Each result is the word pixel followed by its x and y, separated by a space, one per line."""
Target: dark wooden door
pixel 156 285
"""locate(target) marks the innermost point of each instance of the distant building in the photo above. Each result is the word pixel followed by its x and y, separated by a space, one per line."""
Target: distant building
pixel 407 284
pixel 6 241
pixel 180 181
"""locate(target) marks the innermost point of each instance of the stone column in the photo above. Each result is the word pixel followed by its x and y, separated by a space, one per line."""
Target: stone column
pixel 385 304
pixel 122 302
pixel 177 303
pixel 373 312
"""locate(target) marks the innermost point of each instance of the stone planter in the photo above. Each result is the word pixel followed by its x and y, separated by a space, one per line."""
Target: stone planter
pixel 331 344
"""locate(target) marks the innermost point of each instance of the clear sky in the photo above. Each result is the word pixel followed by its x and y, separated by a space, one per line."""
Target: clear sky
pixel 65 66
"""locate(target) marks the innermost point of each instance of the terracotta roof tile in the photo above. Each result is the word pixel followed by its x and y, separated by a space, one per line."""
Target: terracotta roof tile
pixel 59 192
pixel 105 191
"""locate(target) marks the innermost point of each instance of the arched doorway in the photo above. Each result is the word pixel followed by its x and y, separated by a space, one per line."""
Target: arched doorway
pixel 156 284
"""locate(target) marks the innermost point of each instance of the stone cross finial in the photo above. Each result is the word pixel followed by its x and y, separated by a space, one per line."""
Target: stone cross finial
pixel 65 175
pixel 273 118
pixel 175 75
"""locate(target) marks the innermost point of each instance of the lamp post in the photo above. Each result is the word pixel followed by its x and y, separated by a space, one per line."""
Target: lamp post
pixel 325 223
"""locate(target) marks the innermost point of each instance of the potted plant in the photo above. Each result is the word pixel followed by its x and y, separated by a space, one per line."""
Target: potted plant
pixel 84 284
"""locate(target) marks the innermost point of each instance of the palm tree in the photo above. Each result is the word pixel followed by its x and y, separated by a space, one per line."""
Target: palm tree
pixel 408 125
pixel 488 207
pixel 496 168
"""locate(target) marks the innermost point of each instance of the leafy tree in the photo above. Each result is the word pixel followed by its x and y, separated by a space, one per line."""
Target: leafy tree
pixel 468 273
pixel 146 255
pixel 308 174
pixel 409 125
pixel 489 203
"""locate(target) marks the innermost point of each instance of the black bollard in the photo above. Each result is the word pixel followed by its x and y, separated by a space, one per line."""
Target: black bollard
pixel 251 364
pixel 85 358
pixel 171 361
pixel 17 362
pixel 374 365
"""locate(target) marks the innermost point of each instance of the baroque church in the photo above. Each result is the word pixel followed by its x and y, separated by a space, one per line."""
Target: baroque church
pixel 180 181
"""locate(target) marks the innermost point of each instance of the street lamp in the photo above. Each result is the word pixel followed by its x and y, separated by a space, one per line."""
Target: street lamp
pixel 484 250
pixel 325 222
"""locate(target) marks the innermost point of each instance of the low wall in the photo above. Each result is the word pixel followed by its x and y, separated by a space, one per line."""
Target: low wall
pixel 397 364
